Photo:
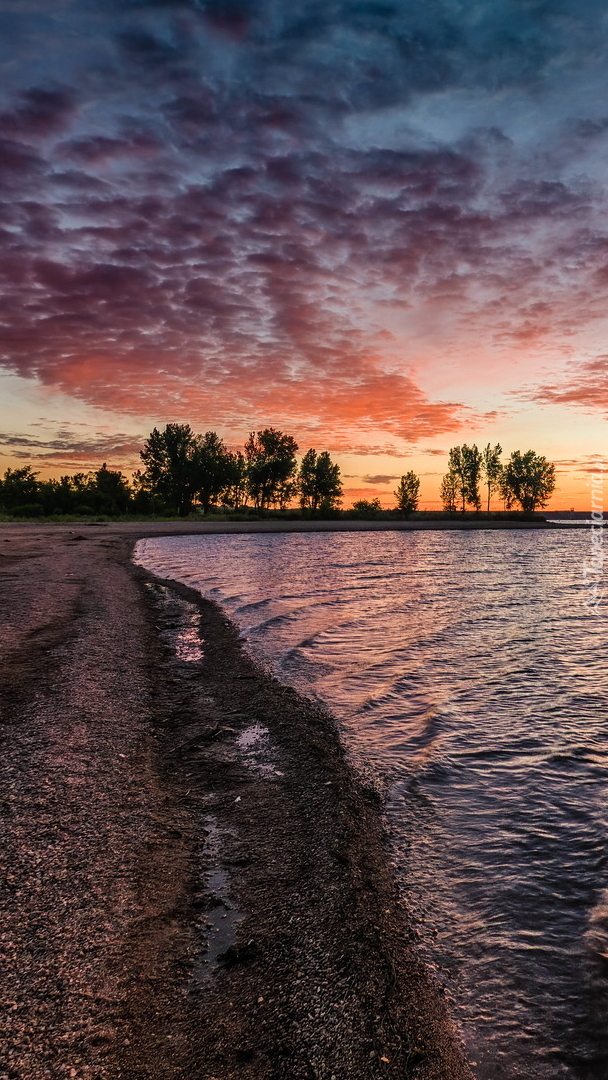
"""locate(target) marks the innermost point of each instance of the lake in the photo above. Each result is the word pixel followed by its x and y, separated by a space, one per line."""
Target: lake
pixel 466 671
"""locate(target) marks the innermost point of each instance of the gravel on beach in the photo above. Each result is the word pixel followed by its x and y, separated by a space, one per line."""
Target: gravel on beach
pixel 195 883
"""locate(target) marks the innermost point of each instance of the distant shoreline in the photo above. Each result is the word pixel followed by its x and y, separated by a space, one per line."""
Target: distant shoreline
pixel 141 529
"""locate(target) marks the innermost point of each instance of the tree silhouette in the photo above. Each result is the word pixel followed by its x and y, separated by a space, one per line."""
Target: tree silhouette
pixel 168 457
pixel 449 492
pixel 213 469
pixel 235 493
pixel 465 470
pixel 471 457
pixel 528 479
pixel 110 490
pixel 407 493
pixel 18 488
pixel 367 508
pixel 271 467
pixel 319 482
pixel 105 491
pixel 492 468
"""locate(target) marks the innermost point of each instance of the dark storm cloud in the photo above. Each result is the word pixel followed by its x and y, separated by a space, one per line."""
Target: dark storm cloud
pixel 217 202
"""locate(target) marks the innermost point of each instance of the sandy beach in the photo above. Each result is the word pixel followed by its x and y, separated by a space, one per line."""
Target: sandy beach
pixel 169 911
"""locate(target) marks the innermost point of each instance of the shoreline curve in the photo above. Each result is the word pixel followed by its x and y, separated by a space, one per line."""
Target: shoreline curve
pixel 137 823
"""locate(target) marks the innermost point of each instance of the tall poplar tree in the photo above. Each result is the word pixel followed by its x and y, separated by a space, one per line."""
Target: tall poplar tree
pixel 465 467
pixel 492 469
pixel 319 482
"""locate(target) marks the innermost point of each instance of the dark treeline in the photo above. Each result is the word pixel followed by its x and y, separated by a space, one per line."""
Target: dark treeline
pixel 105 493
pixel 526 480
pixel 184 473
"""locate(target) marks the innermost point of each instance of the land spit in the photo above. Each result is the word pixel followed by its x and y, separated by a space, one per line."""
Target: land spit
pixel 196 883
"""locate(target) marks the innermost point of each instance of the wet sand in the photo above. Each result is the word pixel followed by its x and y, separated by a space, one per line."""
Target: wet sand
pixel 175 907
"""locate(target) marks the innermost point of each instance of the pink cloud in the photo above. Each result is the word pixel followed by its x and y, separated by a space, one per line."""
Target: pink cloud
pixel 586 387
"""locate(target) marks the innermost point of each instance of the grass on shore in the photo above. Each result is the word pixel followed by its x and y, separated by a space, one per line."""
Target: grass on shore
pixel 271 515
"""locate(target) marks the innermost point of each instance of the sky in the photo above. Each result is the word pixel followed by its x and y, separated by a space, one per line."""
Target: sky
pixel 381 227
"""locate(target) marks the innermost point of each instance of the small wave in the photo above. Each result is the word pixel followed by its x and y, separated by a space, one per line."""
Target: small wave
pixel 576 754
pixel 596 935
pixel 252 605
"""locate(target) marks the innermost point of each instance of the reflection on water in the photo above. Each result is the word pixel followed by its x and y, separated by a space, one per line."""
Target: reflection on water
pixel 463 666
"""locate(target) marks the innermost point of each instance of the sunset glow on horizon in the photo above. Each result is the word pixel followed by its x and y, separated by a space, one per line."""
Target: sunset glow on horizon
pixel 380 227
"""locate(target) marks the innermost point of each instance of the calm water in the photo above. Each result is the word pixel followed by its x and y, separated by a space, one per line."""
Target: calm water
pixel 465 670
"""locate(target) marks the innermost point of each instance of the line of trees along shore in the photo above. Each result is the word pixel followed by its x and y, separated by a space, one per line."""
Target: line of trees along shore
pixel 184 472
pixel 181 469
pixel 526 480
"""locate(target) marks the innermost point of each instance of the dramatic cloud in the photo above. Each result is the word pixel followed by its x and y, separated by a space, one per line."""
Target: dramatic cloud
pixel 71 448
pixel 238 213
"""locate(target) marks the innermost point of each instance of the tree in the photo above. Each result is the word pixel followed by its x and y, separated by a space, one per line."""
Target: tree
pixel 319 482
pixel 407 493
pixel 169 460
pixel 465 467
pixel 457 469
pixel 111 491
pixel 449 492
pixel 20 487
pixel 472 459
pixel 57 495
pixel 285 493
pixel 271 465
pixel 492 468
pixel 235 492
pixel 367 507
pixel 307 478
pixel 329 483
pixel 213 469
pixel 528 479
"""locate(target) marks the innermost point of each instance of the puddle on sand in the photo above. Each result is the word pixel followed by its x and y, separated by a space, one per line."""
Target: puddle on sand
pixel 181 631
pixel 221 919
pixel 255 751
pixel 187 643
